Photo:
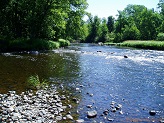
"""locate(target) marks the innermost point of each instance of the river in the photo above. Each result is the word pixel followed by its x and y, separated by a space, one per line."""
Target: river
pixel 97 76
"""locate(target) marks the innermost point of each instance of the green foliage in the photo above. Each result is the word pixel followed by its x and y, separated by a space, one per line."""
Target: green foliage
pixel 104 31
pixel 22 44
pixel 35 83
pixel 160 37
pixel 118 37
pixel 63 42
pixel 94 29
pixel 110 24
pixel 131 33
pixel 42 19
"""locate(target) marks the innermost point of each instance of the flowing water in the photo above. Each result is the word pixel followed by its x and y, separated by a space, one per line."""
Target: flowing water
pixel 101 73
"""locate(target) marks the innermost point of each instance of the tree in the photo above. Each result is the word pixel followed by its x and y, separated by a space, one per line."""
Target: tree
pixel 161 6
pixel 94 29
pixel 47 19
pixel 104 31
pixel 110 24
pixel 149 23
pixel 131 32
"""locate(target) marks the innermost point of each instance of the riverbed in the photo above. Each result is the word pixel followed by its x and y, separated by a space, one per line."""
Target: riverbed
pixel 99 77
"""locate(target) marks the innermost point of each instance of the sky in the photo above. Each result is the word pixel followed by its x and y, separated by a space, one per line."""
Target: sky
pixel 105 8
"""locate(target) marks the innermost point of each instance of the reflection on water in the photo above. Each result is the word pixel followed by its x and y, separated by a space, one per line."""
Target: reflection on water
pixel 136 82
pixel 15 69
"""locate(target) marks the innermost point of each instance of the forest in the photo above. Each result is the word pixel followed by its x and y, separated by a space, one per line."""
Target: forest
pixel 26 22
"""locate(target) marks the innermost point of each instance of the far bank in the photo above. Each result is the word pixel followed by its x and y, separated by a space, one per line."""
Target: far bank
pixel 152 45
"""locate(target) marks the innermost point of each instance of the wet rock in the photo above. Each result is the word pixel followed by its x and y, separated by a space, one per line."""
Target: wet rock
pixel 58 118
pixel 69 117
pixel 118 107
pixel 125 56
pixel 110 119
pixel 162 120
pixel 91 114
pixel 106 112
pixel 89 106
pixel 91 95
pixel 113 110
pixel 121 112
pixel 152 112
pixel 77 89
pixel 79 121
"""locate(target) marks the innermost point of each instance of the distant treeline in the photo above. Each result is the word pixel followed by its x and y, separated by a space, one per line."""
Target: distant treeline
pixel 135 22
pixel 63 19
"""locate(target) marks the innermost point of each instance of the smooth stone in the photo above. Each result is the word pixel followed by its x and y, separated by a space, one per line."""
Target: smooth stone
pixel 69 117
pixel 91 114
pixel 125 56
pixel 110 119
pixel 119 106
pixel 106 112
pixel 89 106
pixel 79 121
pixel 113 110
pixel 162 120
pixel 121 112
pixel 152 112
pixel 58 118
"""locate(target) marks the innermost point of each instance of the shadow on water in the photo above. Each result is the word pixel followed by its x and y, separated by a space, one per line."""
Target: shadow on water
pixel 17 67
pixel 97 75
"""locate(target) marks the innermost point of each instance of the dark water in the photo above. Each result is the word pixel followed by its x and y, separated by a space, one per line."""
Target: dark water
pixel 137 83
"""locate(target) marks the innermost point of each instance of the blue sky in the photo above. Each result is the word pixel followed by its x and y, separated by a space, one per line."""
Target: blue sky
pixel 105 8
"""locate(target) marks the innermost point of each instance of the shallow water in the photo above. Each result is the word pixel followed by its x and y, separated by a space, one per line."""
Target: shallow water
pixel 136 82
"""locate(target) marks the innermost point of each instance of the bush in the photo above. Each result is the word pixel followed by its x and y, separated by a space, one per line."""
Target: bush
pixel 160 37
pixel 63 42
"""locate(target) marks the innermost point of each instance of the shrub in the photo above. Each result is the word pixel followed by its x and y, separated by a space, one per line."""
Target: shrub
pixel 160 37
pixel 63 42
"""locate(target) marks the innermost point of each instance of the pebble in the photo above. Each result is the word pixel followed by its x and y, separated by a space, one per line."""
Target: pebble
pixel 152 112
pixel 91 114
pixel 69 117
pixel 29 107
pixel 79 121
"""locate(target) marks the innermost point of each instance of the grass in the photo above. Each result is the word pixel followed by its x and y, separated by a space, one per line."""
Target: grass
pixel 153 45
pixel 34 82
pixel 22 44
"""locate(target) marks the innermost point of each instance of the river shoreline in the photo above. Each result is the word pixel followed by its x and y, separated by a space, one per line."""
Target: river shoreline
pixel 34 107
pixel 152 45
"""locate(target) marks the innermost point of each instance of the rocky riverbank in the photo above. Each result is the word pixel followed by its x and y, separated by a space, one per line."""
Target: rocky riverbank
pixel 43 106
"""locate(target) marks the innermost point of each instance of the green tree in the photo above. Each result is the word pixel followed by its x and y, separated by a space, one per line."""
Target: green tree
pixel 104 31
pixel 149 23
pixel 110 24
pixel 94 29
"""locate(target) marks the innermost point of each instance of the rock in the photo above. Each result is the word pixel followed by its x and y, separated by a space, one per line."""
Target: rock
pixel 77 89
pixel 91 114
pixel 79 121
pixel 89 106
pixel 106 112
pixel 125 56
pixel 152 112
pixel 119 106
pixel 58 118
pixel 110 119
pixel 121 112
pixel 113 110
pixel 162 120
pixel 69 117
